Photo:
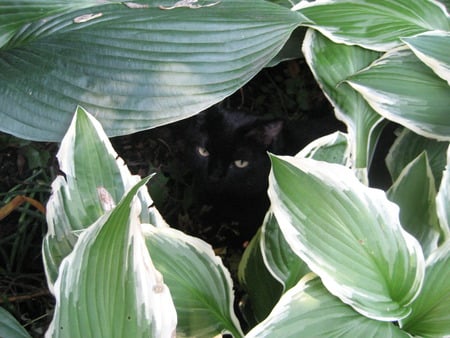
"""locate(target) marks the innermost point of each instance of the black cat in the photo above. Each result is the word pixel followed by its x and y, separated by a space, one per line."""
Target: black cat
pixel 227 154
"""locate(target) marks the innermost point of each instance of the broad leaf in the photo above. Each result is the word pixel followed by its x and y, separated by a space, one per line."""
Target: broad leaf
pixel 374 24
pixel 430 315
pixel 200 285
pixel 432 48
pixel 108 287
pixel 332 148
pixel 285 3
pixel 331 64
pixel 133 66
pixel 408 146
pixel 94 180
pixel 280 260
pixel 415 193
pixel 309 310
pixel 443 200
pixel 262 287
pixel 348 234
pixel 10 327
pixel 291 48
pixel 404 90
pixel 19 13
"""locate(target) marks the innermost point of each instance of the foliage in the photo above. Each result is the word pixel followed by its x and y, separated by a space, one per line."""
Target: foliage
pixel 379 261
pixel 9 327
pixel 203 283
pixel 134 67
pixel 25 180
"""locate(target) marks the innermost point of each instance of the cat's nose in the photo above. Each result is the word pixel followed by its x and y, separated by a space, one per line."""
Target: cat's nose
pixel 215 174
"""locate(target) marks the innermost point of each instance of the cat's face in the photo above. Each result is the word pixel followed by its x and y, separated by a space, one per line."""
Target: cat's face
pixel 229 152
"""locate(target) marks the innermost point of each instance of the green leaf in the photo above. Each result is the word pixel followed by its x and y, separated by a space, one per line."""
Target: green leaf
pixel 10 327
pixel 285 3
pixel 87 190
pixel 36 158
pixel 430 315
pixel 200 285
pixel 432 48
pixel 290 50
pixel 308 310
pixel 134 68
pixel 348 234
pixel 408 146
pixel 415 193
pixel 281 261
pixel 332 148
pixel 374 24
pixel 19 13
pixel 443 200
pixel 332 64
pixel 262 287
pixel 107 286
pixel 404 90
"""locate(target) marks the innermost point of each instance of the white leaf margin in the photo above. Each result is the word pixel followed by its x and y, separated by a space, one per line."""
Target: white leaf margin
pixel 66 154
pixel 328 141
pixel 59 227
pixel 202 249
pixel 443 200
pixel 337 173
pixel 383 104
pixel 441 68
pixel 334 33
pixel 152 294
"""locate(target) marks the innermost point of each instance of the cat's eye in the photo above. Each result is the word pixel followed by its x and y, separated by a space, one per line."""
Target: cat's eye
pixel 202 151
pixel 241 163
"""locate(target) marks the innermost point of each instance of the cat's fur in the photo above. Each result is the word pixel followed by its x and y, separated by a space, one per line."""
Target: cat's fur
pixel 227 153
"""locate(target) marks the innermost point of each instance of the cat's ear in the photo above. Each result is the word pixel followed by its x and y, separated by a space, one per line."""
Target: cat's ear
pixel 208 114
pixel 201 119
pixel 266 132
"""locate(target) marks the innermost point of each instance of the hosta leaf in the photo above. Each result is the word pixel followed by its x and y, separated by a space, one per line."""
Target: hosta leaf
pixel 309 310
pixel 94 180
pixel 290 50
pixel 285 3
pixel 263 288
pixel 408 146
pixel 333 148
pixel 415 193
pixel 10 327
pixel 430 315
pixel 200 285
pixel 348 234
pixel 331 64
pixel 432 48
pixel 281 261
pixel 134 67
pixel 108 287
pixel 374 24
pixel 443 200
pixel 403 89
pixel 17 13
